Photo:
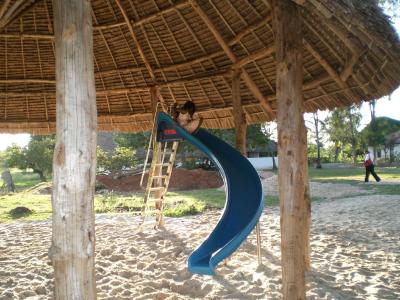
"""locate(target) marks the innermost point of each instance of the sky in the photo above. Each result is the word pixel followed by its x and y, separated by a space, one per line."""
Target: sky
pixel 384 108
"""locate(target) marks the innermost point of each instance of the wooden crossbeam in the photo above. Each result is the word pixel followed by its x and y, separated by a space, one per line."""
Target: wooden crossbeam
pixel 141 52
pixel 9 14
pixel 38 36
pixel 324 63
pixel 227 72
pixel 135 41
pixel 225 46
pixel 4 8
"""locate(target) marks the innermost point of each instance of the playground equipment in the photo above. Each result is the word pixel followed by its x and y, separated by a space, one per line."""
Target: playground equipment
pixel 244 195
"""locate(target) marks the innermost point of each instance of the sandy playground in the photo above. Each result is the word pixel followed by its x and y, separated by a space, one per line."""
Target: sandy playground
pixel 355 255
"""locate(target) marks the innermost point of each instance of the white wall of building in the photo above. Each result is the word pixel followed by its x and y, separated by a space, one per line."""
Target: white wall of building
pixel 260 163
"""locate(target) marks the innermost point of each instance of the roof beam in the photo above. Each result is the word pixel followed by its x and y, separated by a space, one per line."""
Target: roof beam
pixel 324 63
pixel 300 2
pixel 330 70
pixel 140 50
pixel 225 46
pixel 177 82
pixel 4 8
pixel 7 15
pixel 135 41
pixel 39 36
pixel 27 80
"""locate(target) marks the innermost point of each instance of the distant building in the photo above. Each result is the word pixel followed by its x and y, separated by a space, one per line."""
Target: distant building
pixel 264 158
pixel 271 150
pixel 393 144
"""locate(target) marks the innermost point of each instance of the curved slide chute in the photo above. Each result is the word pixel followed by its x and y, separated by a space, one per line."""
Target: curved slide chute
pixel 244 197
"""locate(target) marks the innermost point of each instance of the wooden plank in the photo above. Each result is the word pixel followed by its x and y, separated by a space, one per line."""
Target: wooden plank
pixel 292 149
pixel 74 163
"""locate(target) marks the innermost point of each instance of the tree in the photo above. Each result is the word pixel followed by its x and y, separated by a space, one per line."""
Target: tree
pixel 14 157
pixel 121 159
pixel 341 126
pixel 133 140
pixel 257 137
pixel 270 129
pixel 376 133
pixel 103 161
pixel 317 132
pixel 37 155
pixel 352 127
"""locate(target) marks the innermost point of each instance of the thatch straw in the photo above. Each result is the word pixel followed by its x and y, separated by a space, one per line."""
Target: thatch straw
pixel 352 53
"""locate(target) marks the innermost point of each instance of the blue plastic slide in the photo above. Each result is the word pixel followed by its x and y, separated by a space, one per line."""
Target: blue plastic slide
pixel 244 197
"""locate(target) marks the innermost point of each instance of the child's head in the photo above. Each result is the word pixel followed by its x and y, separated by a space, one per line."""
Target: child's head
pixel 189 107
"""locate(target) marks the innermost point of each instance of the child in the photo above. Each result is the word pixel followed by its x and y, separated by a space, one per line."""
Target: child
pixel 184 116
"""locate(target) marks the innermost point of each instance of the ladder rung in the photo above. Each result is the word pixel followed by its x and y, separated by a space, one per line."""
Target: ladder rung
pixel 158 188
pixel 164 164
pixel 168 151
pixel 159 176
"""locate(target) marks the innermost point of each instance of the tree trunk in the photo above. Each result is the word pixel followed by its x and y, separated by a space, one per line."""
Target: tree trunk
pixel 353 137
pixel 292 153
pixel 41 175
pixel 74 162
pixel 317 140
pixel 337 152
pixel 372 108
pixel 238 115
pixel 8 180
pixel 274 168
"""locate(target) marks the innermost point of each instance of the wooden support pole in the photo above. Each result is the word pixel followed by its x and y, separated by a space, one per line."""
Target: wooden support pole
pixel 74 163
pixel 292 149
pixel 238 115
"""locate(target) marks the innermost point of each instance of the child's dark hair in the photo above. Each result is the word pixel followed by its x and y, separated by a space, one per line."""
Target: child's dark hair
pixel 189 107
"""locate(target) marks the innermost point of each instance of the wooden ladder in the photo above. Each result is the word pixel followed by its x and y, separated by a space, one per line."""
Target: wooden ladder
pixel 159 175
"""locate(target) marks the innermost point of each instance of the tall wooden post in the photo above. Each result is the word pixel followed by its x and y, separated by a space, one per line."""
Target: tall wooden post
pixel 238 114
pixel 74 163
pixel 292 149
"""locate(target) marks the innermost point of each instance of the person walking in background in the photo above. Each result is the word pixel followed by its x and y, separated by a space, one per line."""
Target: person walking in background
pixel 369 167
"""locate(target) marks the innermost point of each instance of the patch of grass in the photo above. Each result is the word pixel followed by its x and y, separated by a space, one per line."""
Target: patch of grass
pixel 176 204
pixel 271 201
pixel 24 179
pixel 40 205
pixel 381 188
pixel 110 202
pixel 351 175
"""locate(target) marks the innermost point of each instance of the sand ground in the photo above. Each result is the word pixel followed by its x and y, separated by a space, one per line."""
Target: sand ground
pixel 355 247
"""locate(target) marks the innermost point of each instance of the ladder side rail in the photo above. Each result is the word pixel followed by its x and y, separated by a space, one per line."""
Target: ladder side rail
pixel 150 181
pixel 146 159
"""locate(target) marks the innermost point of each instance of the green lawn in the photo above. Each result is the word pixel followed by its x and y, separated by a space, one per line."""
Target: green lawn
pixel 176 204
pixel 355 176
pixel 24 179
pixel 351 175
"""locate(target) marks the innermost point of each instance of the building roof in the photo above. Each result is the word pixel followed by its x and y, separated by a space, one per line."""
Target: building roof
pixel 352 53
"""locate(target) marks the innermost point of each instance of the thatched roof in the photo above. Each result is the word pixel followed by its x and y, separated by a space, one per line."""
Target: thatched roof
pixel 188 49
